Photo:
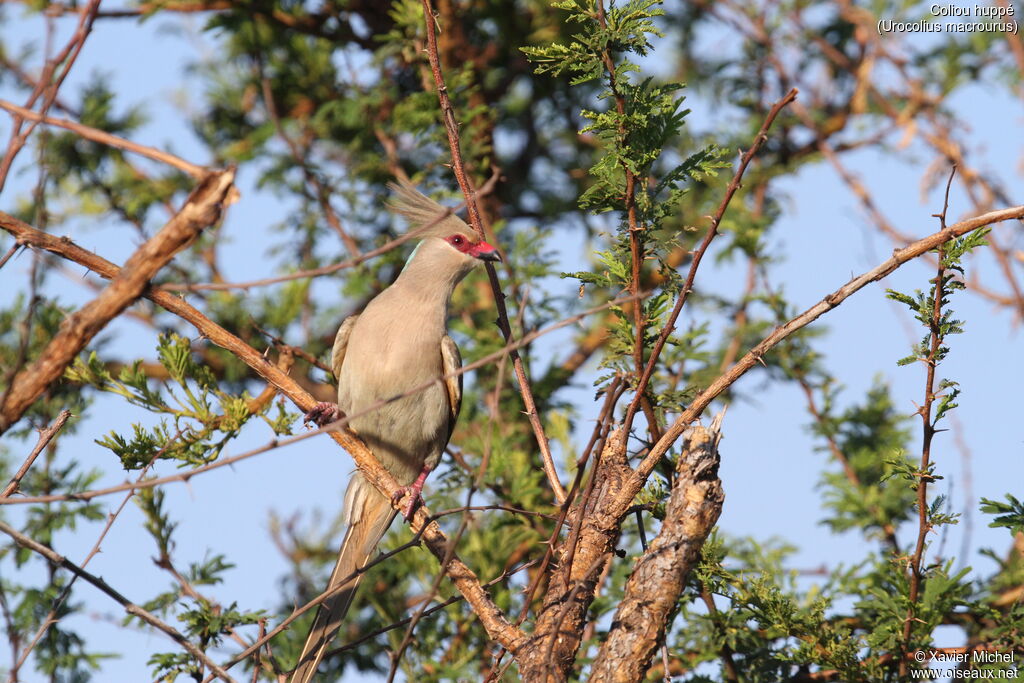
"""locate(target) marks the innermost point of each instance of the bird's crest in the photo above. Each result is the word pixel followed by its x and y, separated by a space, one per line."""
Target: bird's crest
pixel 423 213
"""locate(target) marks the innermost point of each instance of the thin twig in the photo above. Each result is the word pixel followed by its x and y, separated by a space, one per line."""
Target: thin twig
pixel 924 524
pixel 727 379
pixel 10 252
pixel 322 195
pixel 45 436
pixel 129 607
pixel 48 87
pixel 52 618
pixel 473 213
pixel 734 185
pixel 105 138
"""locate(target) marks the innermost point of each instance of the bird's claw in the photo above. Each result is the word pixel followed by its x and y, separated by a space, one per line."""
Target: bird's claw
pixel 414 500
pixel 323 414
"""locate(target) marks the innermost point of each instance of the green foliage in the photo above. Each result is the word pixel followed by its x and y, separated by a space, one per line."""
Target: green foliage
pixel 205 622
pixel 1011 513
pixel 573 102
pixel 203 417
pixel 872 438
pixel 631 175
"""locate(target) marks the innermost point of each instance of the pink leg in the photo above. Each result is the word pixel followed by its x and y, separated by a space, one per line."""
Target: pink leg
pixel 324 414
pixel 413 491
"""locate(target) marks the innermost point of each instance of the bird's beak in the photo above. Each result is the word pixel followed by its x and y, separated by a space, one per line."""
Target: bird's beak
pixel 485 252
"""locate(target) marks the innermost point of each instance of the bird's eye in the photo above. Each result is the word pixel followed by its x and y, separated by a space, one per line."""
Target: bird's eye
pixel 458 240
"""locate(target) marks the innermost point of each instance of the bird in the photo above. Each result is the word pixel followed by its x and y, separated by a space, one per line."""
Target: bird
pixel 397 344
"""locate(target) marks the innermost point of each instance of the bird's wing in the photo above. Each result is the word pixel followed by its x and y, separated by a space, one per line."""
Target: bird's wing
pixel 341 344
pixel 451 361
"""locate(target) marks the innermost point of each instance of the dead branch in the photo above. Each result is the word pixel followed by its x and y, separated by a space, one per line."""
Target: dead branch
pixel 653 589
pixel 202 209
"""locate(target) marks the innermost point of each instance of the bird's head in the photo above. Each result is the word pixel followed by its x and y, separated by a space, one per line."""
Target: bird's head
pixel 439 226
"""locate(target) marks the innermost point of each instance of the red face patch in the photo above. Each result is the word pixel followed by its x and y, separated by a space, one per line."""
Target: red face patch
pixel 461 243
pixel 481 250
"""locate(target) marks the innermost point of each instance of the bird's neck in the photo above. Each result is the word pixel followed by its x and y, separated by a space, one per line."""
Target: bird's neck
pixel 428 282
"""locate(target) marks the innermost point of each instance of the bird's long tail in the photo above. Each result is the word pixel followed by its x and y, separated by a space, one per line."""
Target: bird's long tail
pixel 369 514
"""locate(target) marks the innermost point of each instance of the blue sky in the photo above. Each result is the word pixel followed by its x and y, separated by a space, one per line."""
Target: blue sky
pixel 770 466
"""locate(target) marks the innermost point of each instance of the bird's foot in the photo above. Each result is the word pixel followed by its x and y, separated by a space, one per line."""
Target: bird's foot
pixel 323 414
pixel 413 502
pixel 412 493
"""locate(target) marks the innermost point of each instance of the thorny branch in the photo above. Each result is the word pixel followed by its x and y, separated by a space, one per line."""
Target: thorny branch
pixel 48 86
pixel 924 524
pixel 898 258
pixel 45 436
pixel 466 581
pixel 712 232
pixel 129 607
pixel 459 169
pixel 202 209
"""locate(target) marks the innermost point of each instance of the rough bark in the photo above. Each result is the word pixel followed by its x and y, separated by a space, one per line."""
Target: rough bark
pixel 559 627
pixel 202 209
pixel 659 577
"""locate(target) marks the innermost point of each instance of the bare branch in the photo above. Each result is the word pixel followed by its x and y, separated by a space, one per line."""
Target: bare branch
pixel 459 169
pixel 45 436
pixel 203 208
pixel 48 86
pixel 131 608
pixel 898 258
pixel 105 138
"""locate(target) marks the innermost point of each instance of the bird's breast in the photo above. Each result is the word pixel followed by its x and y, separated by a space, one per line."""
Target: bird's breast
pixel 381 388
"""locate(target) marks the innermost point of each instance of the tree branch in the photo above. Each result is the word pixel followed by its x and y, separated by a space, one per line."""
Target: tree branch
pixel 45 436
pixel 492 618
pixel 653 589
pixel 473 213
pixel 898 258
pixel 734 185
pixel 203 208
pixel 105 138
pixel 131 608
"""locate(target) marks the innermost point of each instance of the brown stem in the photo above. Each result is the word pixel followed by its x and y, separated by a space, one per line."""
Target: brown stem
pixel 924 524
pixel 635 229
pixel 712 232
pixel 45 436
pixel 203 208
pixel 451 126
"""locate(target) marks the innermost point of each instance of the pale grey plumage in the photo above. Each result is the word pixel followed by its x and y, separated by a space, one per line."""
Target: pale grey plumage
pixel 398 343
